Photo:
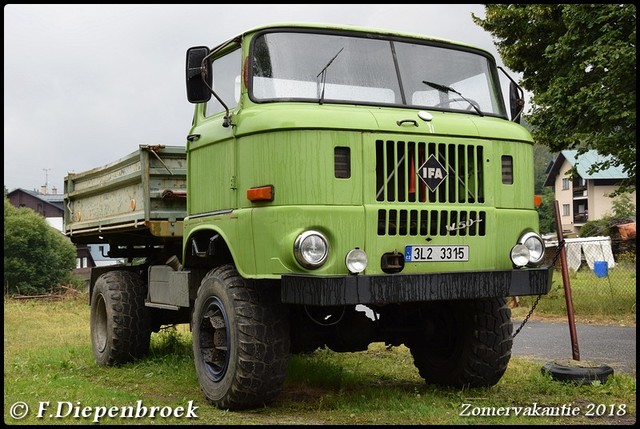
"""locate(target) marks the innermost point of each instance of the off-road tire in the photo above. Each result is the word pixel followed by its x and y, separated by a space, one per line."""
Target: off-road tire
pixel 241 342
pixel 120 322
pixel 471 346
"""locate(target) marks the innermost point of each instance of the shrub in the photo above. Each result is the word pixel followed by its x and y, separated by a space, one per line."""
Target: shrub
pixel 596 228
pixel 37 257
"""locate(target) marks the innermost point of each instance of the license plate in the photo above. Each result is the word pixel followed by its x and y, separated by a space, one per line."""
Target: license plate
pixel 436 253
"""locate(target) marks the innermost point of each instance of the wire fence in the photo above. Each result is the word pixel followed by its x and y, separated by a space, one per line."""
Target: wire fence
pixel 602 278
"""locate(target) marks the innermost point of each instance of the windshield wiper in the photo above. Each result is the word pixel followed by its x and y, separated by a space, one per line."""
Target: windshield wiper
pixel 323 72
pixel 448 89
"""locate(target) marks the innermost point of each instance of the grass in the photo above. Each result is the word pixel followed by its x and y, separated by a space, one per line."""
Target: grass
pixel 48 358
pixel 607 300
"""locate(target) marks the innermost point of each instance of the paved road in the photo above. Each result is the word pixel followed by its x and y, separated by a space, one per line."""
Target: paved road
pixel 610 345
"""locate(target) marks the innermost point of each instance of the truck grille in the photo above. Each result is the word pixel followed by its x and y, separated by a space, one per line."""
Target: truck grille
pixel 432 223
pixel 398 161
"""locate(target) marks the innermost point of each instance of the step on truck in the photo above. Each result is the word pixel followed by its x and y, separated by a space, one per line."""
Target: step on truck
pixel 339 186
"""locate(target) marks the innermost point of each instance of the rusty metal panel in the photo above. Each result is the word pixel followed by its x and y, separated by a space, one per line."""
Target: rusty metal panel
pixel 134 192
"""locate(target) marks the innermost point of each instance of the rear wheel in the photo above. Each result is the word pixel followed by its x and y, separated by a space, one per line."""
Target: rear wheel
pixel 464 343
pixel 240 340
pixel 120 322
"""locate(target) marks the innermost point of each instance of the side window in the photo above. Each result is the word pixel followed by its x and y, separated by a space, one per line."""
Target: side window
pixel 226 82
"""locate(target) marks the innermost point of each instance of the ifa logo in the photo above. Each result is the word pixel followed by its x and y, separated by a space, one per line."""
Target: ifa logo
pixel 432 173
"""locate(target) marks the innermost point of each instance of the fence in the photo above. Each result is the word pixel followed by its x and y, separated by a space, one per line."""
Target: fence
pixel 602 277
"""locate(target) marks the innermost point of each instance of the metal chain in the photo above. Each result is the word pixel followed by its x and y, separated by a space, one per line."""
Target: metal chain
pixel 528 315
pixel 560 246
pixel 533 307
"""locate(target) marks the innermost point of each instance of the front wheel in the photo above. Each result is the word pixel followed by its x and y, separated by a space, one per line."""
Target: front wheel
pixel 463 343
pixel 240 340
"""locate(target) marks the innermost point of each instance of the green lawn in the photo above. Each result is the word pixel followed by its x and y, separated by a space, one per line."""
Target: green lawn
pixel 49 368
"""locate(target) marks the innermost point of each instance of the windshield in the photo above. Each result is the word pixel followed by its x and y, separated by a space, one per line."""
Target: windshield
pixel 337 68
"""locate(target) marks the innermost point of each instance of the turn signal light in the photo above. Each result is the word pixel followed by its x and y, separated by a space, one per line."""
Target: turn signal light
pixel 537 200
pixel 260 193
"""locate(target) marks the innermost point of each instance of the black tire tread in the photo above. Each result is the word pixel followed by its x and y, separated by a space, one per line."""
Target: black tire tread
pixel 484 358
pixel 124 292
pixel 263 349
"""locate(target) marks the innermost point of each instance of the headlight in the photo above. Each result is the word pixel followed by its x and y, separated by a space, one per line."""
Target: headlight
pixel 519 255
pixel 535 245
pixel 356 261
pixel 311 249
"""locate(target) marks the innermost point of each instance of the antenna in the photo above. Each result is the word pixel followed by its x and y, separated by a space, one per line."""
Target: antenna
pixel 46 180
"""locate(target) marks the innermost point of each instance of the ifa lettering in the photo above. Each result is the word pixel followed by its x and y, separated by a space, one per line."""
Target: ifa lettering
pixel 432 173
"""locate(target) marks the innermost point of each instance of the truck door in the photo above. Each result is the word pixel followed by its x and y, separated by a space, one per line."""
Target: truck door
pixel 211 146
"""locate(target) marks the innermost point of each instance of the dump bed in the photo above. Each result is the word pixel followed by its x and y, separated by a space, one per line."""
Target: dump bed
pixel 139 199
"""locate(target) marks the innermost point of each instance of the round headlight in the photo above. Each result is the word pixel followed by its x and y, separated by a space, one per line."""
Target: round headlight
pixel 356 261
pixel 535 245
pixel 311 249
pixel 520 255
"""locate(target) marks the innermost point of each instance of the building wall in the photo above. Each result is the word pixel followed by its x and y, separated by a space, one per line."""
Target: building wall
pixel 56 222
pixel 600 204
pixel 564 197
pixel 22 199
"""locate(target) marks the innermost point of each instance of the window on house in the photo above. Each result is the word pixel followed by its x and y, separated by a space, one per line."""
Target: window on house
pixel 565 184
pixel 566 210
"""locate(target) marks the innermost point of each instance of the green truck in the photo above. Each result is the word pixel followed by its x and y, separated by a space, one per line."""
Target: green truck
pixel 339 186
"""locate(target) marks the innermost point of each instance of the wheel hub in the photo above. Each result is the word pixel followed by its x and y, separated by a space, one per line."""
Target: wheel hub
pixel 214 340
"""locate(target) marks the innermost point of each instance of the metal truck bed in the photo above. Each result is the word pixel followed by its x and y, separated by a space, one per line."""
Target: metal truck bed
pixel 139 199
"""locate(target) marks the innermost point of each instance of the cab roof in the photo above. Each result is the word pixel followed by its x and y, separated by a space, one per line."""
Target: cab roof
pixel 359 29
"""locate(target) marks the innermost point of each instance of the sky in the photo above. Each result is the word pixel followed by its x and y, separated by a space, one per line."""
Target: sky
pixel 84 85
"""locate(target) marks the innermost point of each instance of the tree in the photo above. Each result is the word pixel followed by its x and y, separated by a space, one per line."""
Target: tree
pixel 624 208
pixel 546 212
pixel 541 159
pixel 579 62
pixel 37 257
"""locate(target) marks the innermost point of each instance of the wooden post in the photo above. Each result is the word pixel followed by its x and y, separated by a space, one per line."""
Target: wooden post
pixel 567 286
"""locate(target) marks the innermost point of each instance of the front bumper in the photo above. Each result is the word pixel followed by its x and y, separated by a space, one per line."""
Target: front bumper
pixel 400 288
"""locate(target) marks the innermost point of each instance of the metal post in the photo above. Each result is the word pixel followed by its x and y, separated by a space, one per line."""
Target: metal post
pixel 567 286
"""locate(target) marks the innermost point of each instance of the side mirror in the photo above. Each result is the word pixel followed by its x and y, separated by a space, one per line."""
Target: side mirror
pixel 199 76
pixel 516 98
pixel 516 101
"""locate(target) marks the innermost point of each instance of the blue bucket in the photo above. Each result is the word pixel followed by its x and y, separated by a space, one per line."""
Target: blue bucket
pixel 601 268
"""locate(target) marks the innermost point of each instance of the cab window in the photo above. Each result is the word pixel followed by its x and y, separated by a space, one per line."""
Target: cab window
pixel 226 82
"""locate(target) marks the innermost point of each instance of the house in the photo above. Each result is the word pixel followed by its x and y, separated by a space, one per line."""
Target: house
pixel 585 196
pixel 51 207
